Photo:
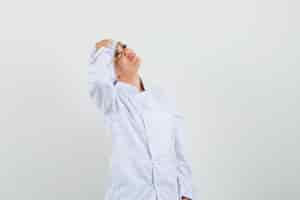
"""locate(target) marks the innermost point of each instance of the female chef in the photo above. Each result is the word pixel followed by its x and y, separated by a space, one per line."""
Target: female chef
pixel 147 160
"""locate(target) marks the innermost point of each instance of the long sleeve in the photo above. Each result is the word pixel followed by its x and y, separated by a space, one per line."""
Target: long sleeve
pixel 184 168
pixel 101 78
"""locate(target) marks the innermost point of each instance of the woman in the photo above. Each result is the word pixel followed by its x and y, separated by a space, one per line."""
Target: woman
pixel 147 160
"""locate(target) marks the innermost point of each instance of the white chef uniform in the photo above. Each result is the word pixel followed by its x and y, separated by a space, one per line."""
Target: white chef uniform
pixel 147 160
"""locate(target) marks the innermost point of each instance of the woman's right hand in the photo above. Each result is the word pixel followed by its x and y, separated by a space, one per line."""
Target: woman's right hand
pixel 104 43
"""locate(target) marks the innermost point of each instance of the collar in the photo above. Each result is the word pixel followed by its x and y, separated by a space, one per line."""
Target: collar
pixel 131 88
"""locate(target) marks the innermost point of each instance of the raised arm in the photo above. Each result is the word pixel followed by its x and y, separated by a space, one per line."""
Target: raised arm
pixel 101 76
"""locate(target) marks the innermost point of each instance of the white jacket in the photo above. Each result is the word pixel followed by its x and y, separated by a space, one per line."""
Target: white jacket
pixel 147 160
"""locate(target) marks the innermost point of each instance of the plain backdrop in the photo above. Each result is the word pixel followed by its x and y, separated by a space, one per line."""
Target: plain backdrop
pixel 233 66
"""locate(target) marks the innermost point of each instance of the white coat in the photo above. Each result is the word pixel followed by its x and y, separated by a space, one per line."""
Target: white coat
pixel 147 160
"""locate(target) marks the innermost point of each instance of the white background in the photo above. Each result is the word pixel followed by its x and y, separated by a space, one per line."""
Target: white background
pixel 233 66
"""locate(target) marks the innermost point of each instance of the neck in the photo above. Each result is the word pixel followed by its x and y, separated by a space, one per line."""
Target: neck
pixel 135 81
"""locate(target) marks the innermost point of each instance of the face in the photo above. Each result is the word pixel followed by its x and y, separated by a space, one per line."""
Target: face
pixel 126 61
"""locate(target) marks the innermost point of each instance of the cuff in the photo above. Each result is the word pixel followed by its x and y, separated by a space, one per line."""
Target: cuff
pixel 185 198
pixel 185 188
pixel 109 50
